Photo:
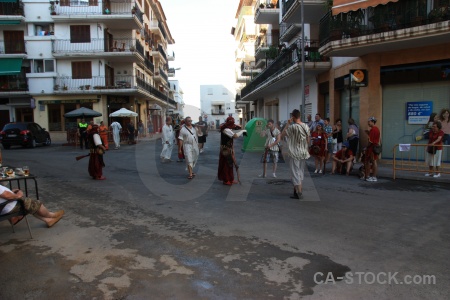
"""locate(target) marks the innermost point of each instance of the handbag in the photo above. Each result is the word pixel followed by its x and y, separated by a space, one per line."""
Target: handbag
pixel 314 149
pixel 377 149
pixel 431 149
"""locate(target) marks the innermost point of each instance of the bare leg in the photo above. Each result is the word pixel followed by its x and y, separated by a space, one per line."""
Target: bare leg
pixel 50 218
pixel 375 168
pixel 274 168
pixel 265 169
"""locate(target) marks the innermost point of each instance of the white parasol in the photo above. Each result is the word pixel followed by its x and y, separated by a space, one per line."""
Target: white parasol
pixel 123 112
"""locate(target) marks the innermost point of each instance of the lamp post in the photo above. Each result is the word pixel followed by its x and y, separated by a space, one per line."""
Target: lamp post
pixel 303 62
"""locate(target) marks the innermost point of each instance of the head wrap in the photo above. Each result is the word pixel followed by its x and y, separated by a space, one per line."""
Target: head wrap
pixel 229 123
pixel 373 119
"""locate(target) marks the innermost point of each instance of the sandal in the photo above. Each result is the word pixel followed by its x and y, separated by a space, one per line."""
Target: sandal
pixel 193 174
pixel 190 177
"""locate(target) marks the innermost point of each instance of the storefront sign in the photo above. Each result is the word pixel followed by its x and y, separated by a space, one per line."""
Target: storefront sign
pixel 69 101
pixel 418 112
pixel 358 78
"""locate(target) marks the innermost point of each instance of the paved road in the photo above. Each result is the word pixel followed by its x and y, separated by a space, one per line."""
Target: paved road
pixel 147 232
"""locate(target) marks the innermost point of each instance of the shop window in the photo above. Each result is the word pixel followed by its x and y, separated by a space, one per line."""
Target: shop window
pixel 80 34
pixel 54 117
pixel 81 70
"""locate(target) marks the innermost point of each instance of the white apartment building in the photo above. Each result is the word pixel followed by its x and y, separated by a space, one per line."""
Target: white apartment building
pixel 270 85
pixel 178 93
pixel 56 56
pixel 217 102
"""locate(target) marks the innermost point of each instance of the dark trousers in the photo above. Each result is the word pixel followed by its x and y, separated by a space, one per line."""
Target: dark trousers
pixel 83 140
pixel 354 145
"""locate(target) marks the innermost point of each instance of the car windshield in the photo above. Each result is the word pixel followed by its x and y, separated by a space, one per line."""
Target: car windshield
pixel 21 126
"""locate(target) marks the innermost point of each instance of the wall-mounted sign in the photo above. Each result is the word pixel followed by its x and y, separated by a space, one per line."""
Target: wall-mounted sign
pixel 358 78
pixel 418 112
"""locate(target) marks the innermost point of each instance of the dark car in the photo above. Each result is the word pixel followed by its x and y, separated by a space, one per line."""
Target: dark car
pixel 27 134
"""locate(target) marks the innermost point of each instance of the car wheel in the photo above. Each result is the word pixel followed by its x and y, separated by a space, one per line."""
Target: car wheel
pixel 48 141
pixel 6 146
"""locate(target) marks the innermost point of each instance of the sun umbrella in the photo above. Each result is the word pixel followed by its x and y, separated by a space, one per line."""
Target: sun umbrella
pixel 123 112
pixel 82 112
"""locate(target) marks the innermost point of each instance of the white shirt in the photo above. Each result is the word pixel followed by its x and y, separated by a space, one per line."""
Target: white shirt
pixel 167 134
pixel 8 206
pixel 97 139
pixel 116 126
pixel 187 137
pixel 297 141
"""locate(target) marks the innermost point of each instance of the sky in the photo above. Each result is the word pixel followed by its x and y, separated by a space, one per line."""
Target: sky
pixel 204 47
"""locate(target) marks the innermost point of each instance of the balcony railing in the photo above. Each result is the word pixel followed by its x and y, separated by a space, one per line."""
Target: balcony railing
pixel 149 65
pixel 285 59
pixel 70 84
pixel 97 45
pixel 382 18
pixel 163 74
pixel 155 92
pixel 217 112
pixel 287 5
pixel 161 50
pixel 16 46
pixel 13 83
pixel 11 9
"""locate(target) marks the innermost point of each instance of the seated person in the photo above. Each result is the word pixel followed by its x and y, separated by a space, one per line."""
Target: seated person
pixel 9 203
pixel 343 158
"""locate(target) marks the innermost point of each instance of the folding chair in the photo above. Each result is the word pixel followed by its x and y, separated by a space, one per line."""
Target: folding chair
pixel 21 212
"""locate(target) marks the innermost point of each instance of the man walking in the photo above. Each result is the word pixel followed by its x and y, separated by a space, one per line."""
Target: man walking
pixel 189 144
pixel 116 127
pixel 202 132
pixel 167 140
pixel 298 141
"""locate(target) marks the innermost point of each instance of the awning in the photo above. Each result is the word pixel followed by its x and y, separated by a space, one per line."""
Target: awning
pixel 343 6
pixel 10 66
pixel 8 1
pixel 9 22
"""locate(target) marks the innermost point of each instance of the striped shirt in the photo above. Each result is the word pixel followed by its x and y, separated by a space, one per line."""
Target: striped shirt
pixel 297 141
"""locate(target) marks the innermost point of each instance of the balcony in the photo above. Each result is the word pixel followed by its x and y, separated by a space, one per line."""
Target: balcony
pixel 265 44
pixel 394 26
pixel 249 69
pixel 157 28
pixel 289 31
pixel 149 66
pixel 285 71
pixel 115 14
pixel 155 94
pixel 116 84
pixel 161 76
pixel 314 10
pixel 11 13
pixel 267 12
pixel 13 83
pixel 216 112
pixel 119 50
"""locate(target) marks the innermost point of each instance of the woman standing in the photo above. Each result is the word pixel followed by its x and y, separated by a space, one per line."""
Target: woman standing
pixel 353 136
pixel 434 149
pixel 103 132
pixel 445 121
pixel 319 147
pixel 337 134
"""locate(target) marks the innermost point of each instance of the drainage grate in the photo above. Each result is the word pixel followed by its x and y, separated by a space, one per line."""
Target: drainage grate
pixel 278 181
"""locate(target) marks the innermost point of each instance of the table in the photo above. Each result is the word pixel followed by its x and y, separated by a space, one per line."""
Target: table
pixel 18 179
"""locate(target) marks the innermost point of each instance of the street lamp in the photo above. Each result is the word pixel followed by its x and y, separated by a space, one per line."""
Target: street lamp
pixel 303 62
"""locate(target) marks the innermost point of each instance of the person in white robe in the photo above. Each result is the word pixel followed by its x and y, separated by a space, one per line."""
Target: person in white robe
pixel 167 140
pixel 189 143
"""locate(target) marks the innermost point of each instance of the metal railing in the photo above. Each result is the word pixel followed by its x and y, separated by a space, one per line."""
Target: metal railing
pixel 161 50
pixel 13 83
pixel 13 46
pixel 95 46
pixel 12 9
pixel 149 65
pixel 382 18
pixel 70 84
pixel 153 91
pixel 287 5
pixel 217 112
pixel 415 158
pixel 283 60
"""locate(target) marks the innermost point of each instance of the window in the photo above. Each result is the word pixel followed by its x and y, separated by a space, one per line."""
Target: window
pixel 210 91
pixel 80 34
pixel 227 106
pixel 224 92
pixel 43 65
pixel 82 70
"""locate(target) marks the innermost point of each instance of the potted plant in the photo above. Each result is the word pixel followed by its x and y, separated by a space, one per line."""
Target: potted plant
pixel 52 8
pixel 87 87
pixel 261 5
pixel 134 9
pixel 56 87
pixel 65 87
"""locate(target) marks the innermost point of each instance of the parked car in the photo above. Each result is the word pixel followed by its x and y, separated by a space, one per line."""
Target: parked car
pixel 27 134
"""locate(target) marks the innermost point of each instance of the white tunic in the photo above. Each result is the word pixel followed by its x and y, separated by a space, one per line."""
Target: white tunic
pixel 190 145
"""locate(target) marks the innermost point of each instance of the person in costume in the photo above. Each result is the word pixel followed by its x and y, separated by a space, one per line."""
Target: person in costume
pixel 227 160
pixel 96 151
pixel 189 145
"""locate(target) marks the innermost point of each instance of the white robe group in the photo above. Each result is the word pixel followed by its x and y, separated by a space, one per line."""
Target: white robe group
pixel 167 141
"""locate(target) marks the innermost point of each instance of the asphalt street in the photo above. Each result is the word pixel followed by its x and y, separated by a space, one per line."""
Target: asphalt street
pixel 147 232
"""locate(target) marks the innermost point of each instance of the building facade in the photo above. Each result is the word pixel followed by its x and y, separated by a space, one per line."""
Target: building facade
pixel 217 103
pixel 57 56
pixel 402 49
